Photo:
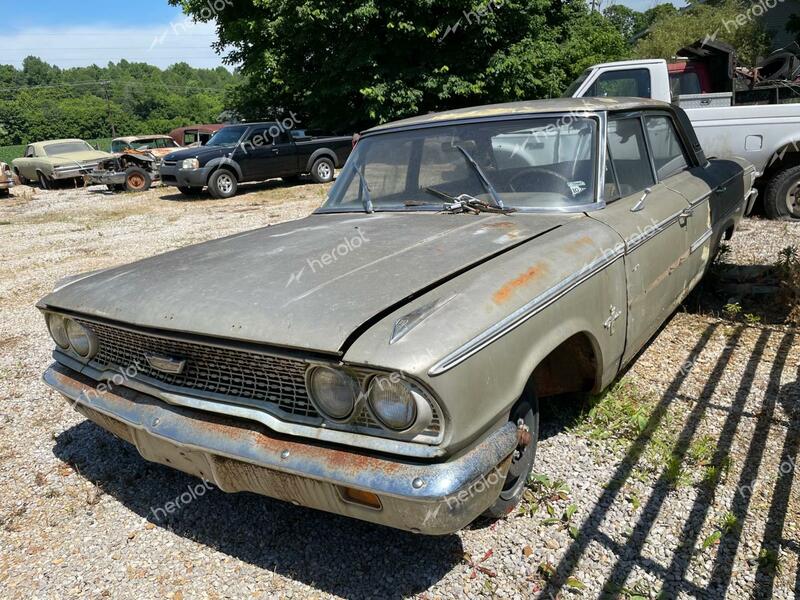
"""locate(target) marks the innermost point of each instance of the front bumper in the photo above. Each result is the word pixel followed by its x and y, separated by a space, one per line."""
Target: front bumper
pixel 171 174
pixel 6 183
pixel 750 200
pixel 236 456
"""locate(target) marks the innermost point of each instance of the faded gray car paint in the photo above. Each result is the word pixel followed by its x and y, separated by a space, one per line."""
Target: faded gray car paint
pixel 306 284
pixel 498 292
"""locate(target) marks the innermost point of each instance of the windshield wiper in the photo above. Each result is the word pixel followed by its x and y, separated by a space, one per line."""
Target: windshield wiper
pixel 482 176
pixel 366 200
pixel 467 203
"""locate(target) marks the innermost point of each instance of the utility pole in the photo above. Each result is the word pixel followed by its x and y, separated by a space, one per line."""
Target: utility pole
pixel 594 5
pixel 108 104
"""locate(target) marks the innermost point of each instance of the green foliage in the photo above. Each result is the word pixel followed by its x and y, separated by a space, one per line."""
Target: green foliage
pixel 672 30
pixel 344 66
pixel 41 101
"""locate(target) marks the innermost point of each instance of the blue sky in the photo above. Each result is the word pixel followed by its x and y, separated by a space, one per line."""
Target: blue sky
pixel 73 33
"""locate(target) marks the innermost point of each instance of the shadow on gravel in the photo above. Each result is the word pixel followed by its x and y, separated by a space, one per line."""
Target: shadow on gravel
pixel 629 555
pixel 333 554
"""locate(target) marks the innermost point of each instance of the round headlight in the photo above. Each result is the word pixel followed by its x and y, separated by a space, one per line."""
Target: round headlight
pixel 334 392
pixel 80 338
pixel 58 330
pixel 392 403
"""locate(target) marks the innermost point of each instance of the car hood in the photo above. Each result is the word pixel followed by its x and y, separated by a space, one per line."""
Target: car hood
pixel 201 152
pixel 308 284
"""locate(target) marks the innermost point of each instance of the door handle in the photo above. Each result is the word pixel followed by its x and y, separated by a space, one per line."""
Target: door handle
pixel 686 213
pixel 275 150
pixel 640 204
pixel 721 189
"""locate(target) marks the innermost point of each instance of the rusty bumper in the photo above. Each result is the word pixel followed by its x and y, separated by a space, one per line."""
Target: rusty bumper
pixel 434 499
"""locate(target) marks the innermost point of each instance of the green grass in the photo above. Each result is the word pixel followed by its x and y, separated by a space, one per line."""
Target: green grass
pixel 9 153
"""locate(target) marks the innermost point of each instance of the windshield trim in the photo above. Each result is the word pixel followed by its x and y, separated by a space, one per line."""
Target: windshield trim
pixel 599 197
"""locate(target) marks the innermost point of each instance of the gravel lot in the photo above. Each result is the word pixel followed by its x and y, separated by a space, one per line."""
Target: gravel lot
pixel 79 508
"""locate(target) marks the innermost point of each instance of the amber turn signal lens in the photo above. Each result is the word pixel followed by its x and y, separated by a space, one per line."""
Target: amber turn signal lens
pixel 361 497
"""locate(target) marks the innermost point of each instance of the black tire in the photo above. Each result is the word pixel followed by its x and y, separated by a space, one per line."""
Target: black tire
pixel 223 184
pixel 527 409
pixel 44 181
pixel 322 170
pixel 189 191
pixel 22 180
pixel 782 196
pixel 137 180
pixel 115 187
pixel 4 193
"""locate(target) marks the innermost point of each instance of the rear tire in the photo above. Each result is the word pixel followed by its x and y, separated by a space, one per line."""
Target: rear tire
pixel 189 191
pixel 526 409
pixel 223 184
pixel 782 197
pixel 322 170
pixel 22 180
pixel 44 181
pixel 137 180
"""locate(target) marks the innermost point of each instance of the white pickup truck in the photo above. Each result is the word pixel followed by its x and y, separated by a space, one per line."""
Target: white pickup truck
pixel 766 135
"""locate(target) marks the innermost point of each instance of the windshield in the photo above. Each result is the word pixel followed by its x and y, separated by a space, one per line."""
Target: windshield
pixel 542 163
pixel 66 148
pixel 227 136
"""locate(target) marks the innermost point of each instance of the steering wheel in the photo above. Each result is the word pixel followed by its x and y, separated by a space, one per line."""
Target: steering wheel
pixel 539 178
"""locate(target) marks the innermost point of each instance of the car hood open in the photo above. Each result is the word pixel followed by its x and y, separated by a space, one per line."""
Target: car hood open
pixel 307 284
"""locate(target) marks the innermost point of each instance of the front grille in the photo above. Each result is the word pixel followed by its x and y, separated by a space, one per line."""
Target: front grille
pixel 169 163
pixel 264 381
pixel 209 369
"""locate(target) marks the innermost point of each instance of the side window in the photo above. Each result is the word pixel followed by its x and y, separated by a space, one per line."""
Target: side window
pixel 668 153
pixel 628 151
pixel 189 138
pixel 29 153
pixel 256 138
pixel 630 82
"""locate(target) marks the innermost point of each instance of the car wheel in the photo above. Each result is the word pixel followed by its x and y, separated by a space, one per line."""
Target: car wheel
pixel 782 197
pixel 223 184
pixel 322 171
pixel 189 191
pixel 22 179
pixel 44 181
pixel 4 193
pixel 137 180
pixel 526 415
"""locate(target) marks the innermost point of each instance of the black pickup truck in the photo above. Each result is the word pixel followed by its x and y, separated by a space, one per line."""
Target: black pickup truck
pixel 253 152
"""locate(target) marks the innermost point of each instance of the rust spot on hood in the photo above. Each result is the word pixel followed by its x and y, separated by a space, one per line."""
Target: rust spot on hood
pixel 507 290
pixel 500 225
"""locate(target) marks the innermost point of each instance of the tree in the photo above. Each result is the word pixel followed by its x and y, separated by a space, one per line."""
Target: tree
pixel 717 21
pixel 627 21
pixel 343 66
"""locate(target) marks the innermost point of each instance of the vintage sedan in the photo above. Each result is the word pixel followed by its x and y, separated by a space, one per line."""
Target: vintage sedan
pixel 6 179
pixel 385 357
pixel 56 160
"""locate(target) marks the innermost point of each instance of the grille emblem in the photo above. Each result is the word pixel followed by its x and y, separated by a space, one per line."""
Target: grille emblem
pixel 166 364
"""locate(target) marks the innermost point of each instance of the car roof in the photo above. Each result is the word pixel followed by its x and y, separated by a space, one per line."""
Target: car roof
pixel 532 107
pixel 49 142
pixel 132 138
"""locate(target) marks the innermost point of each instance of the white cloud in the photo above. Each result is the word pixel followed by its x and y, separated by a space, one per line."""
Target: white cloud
pixel 160 45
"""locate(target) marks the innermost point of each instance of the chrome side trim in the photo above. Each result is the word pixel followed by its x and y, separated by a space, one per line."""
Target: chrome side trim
pixel 698 243
pixel 316 430
pixel 649 234
pixel 522 314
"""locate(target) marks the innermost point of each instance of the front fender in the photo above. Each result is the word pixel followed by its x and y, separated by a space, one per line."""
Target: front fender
pixel 534 298
pixel 216 163
pixel 327 152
